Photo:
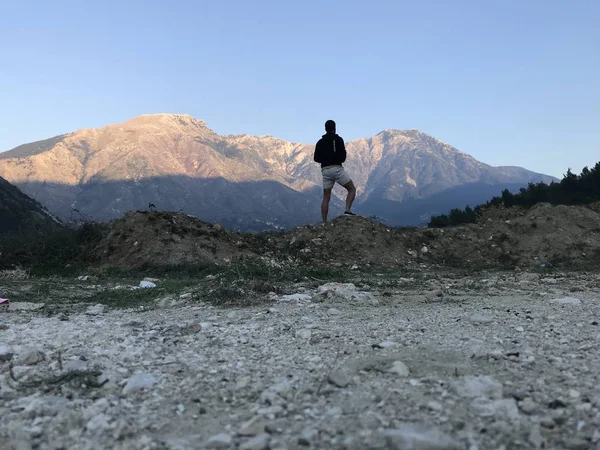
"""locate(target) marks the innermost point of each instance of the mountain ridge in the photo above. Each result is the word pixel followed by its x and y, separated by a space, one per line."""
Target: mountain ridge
pixel 393 165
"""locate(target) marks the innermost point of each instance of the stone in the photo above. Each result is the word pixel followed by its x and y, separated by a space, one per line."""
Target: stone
pixel 400 369
pixel 25 306
pixel 434 406
pixel 573 393
pixel 480 319
pixel 307 436
pixel 339 379
pixel 97 424
pixel 258 442
pixel 95 310
pixel 566 301
pixel 138 382
pixel 218 441
pixel 528 407
pixel 276 392
pixel 31 357
pixel 345 292
pixel 253 427
pixel 535 436
pixel 419 437
pixel 386 344
pixel 303 334
pixel 576 443
pixel 478 386
pixel 333 312
pixel 506 409
pixel 296 298
pixel 74 365
pixel 147 284
pixel 6 353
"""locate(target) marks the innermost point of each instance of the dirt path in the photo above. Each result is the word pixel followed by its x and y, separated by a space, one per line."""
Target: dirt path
pixel 503 362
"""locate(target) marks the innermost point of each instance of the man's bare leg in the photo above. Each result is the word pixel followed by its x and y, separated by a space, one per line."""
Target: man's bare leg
pixel 351 194
pixel 325 204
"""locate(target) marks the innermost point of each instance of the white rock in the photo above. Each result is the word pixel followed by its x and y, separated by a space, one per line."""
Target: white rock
pixel 573 393
pixel 139 382
pixel 566 301
pixel 506 409
pixel 346 292
pixel 259 442
pixel 296 298
pixel 253 427
pixel 6 353
pixel 95 310
pixel 98 423
pixel 25 306
pixel 434 406
pixel 520 329
pixel 74 365
pixel 31 357
pixel 481 386
pixel 147 284
pixel 307 436
pixel 338 378
pixel 424 249
pixel 480 319
pixel 400 369
pixel 206 326
pixel 333 312
pixel 303 334
pixel 221 440
pixel 535 436
pixel 419 437
pixel 387 344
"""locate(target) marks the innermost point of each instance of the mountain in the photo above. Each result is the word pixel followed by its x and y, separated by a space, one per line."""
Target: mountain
pixel 177 163
pixel 20 213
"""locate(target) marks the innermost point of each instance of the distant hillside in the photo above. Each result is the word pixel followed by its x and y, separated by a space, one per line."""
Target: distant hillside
pixel 246 182
pixel 20 213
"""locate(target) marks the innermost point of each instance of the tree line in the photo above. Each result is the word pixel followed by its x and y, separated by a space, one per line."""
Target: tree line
pixel 571 190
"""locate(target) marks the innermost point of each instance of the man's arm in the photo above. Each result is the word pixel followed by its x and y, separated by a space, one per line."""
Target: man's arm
pixel 343 150
pixel 317 156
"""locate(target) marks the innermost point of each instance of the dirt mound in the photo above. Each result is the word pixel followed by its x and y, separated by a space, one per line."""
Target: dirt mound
pixel 349 241
pixel 544 236
pixel 165 239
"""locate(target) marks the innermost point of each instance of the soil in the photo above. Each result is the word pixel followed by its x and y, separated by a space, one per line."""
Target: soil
pixel 543 237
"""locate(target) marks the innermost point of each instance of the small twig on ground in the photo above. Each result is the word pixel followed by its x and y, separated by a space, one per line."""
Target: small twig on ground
pixel 11 373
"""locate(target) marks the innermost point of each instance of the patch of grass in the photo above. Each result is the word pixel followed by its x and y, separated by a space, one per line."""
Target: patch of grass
pixel 127 298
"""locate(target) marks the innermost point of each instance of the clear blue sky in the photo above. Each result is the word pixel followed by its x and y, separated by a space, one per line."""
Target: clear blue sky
pixel 510 82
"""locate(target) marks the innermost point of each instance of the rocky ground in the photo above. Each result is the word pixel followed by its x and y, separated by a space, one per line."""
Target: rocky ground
pixel 490 361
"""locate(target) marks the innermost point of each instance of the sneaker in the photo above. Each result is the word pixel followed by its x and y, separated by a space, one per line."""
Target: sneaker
pixel 349 213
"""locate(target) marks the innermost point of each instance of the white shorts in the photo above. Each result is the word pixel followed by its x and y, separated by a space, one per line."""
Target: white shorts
pixel 334 174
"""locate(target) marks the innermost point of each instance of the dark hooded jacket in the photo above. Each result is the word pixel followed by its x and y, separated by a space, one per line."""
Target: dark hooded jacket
pixel 330 150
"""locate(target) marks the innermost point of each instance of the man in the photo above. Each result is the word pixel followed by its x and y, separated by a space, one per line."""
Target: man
pixel 330 152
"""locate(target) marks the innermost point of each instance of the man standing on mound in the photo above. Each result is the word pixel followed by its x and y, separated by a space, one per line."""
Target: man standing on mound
pixel 330 152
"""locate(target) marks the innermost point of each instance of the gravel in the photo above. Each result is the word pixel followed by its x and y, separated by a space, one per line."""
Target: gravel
pixel 459 375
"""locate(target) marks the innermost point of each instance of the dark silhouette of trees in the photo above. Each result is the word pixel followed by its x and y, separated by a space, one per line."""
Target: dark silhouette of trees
pixel 571 190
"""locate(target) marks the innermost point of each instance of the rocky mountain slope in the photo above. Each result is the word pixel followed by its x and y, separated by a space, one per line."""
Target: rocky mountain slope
pixel 19 212
pixel 177 163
